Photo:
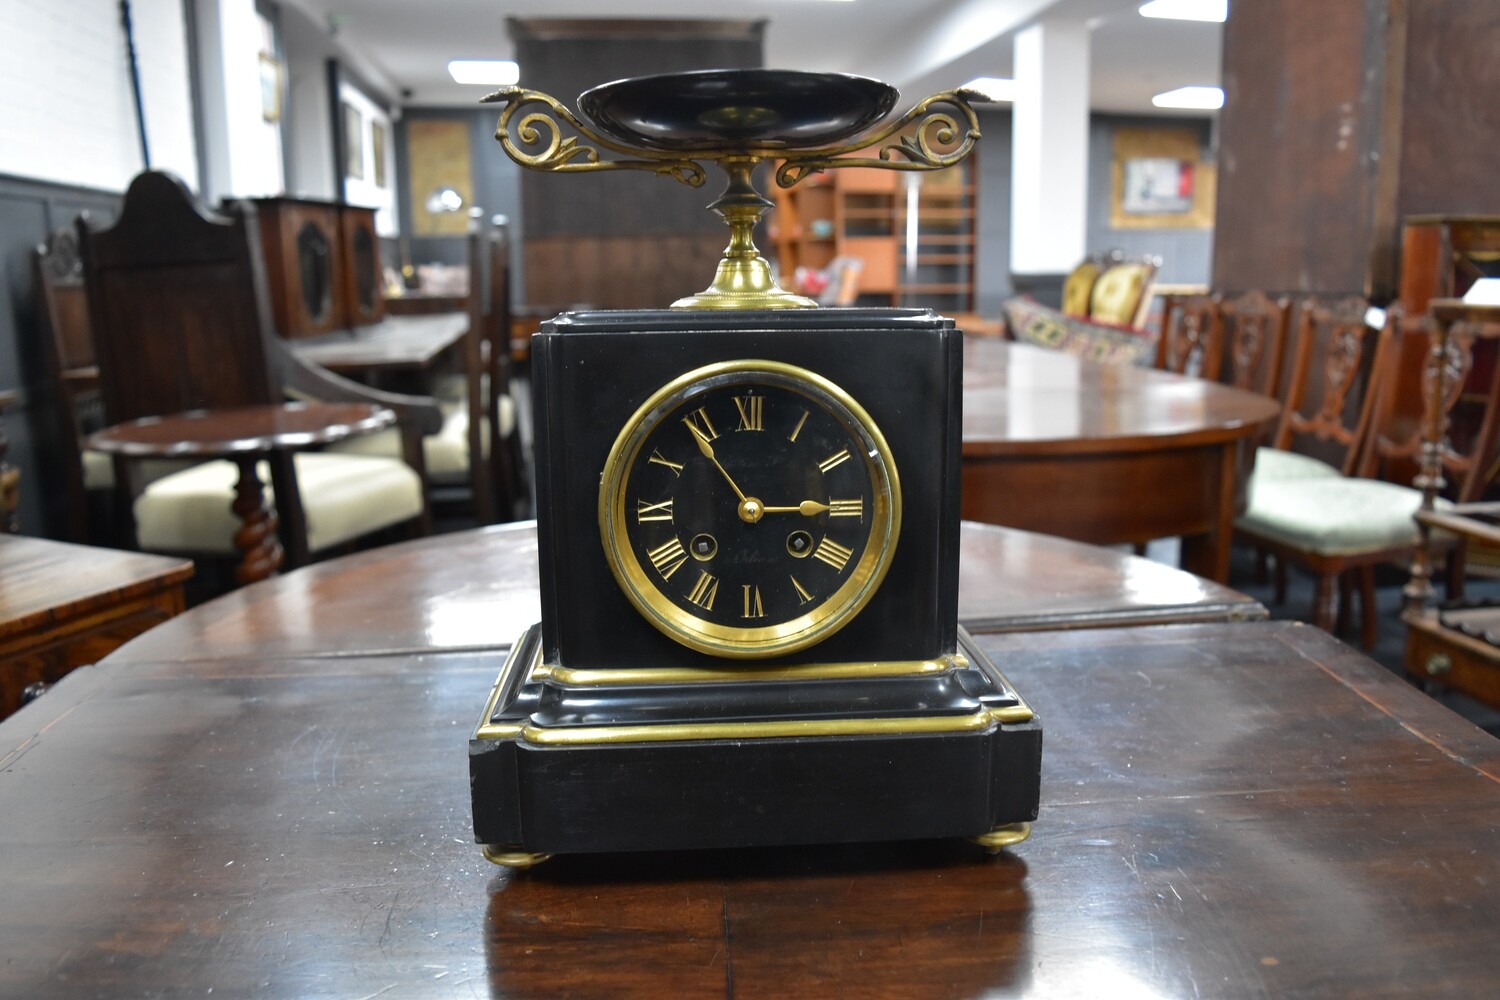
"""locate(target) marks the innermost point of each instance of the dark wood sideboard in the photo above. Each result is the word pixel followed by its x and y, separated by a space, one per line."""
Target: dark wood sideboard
pixel 322 264
pixel 63 606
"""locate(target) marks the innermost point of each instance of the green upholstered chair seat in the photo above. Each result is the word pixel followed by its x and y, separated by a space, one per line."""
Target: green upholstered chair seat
pixel 1333 516
pixel 1273 464
pixel 343 497
pixel 446 452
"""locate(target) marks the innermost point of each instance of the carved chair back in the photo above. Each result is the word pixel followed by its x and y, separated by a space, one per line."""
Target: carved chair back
pixel 178 304
pixel 1253 331
pixel 1191 341
pixel 1328 409
pixel 68 348
pixel 1446 366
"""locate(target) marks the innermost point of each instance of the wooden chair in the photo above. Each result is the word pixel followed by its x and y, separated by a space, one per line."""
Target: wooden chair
pixel 68 350
pixel 1455 644
pixel 181 320
pixel 1306 505
pixel 1191 341
pixel 475 456
pixel 1253 329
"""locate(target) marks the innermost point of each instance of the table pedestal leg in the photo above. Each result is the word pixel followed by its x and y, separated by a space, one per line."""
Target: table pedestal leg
pixel 256 540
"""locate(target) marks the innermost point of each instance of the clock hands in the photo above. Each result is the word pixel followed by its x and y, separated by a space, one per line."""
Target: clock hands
pixel 807 508
pixel 751 509
pixel 708 453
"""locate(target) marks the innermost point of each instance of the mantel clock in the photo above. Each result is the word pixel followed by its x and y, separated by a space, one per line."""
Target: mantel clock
pixel 748 528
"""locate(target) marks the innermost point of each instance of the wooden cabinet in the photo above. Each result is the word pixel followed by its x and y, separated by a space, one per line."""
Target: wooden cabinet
pixel 63 606
pixel 322 264
pixel 912 232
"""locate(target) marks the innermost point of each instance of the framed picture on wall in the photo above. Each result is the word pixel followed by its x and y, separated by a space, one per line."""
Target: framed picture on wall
pixel 270 87
pixel 1160 180
pixel 354 142
pixel 377 150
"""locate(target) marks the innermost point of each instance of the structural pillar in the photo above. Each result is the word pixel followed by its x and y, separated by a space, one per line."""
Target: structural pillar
pixel 1050 148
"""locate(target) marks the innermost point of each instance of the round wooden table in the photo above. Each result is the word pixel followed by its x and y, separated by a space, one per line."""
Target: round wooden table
pixel 269 796
pixel 244 435
pixel 1106 454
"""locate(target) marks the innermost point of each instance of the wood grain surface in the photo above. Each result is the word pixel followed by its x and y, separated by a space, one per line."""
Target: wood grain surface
pixel 1106 454
pixel 477 590
pixel 1238 809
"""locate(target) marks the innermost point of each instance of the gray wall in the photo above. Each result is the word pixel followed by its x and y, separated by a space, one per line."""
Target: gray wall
pixel 29 210
pixel 1186 254
pixel 497 188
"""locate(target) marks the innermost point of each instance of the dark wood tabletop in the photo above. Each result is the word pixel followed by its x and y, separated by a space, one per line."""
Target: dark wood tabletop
pixel 246 435
pixel 395 344
pixel 219 433
pixel 1106 454
pixel 1233 809
pixel 425 595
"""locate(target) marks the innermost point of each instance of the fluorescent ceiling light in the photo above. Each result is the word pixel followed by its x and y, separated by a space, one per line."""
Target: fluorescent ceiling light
pixel 995 88
pixel 1187 10
pixel 1200 98
pixel 487 72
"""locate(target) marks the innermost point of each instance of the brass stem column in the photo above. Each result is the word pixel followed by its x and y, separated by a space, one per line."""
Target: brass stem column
pixel 743 279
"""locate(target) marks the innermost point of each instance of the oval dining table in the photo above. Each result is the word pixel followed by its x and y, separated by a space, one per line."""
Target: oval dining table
pixel 1107 454
pixel 268 796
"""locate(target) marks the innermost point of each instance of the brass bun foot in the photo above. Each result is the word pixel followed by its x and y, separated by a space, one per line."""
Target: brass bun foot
pixel 507 857
pixel 1002 837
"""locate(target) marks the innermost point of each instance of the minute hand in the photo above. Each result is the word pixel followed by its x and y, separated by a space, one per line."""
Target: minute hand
pixel 807 508
pixel 708 453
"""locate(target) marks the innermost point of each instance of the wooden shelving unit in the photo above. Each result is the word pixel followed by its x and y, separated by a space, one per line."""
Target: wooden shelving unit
pixel 912 232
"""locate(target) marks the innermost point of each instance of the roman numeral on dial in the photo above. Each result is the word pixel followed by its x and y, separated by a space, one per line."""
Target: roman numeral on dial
pixel 753 606
pixel 833 554
pixel 846 508
pixel 647 511
pixel 802 595
pixel 698 421
pixel 836 459
pixel 658 459
pixel 752 412
pixel 704 591
pixel 667 557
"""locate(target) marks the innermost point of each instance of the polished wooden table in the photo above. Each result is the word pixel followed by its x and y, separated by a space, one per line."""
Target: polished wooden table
pixel 245 435
pixel 63 606
pixel 1106 454
pixel 429 595
pixel 397 344
pixel 1229 809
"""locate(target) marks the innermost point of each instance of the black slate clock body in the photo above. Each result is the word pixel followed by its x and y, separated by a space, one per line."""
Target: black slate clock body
pixel 615 726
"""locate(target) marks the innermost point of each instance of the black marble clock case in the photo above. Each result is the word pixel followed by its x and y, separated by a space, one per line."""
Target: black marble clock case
pixel 537 789
pixel 591 371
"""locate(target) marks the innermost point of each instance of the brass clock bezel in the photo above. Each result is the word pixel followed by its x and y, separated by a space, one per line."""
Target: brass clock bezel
pixel 807 629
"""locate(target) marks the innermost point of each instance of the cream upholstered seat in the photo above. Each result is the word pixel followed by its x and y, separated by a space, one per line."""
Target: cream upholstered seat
pixel 180 314
pixel 1276 464
pixel 447 451
pixel 343 498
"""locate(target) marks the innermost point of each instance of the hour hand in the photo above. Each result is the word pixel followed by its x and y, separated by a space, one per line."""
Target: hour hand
pixel 708 453
pixel 807 508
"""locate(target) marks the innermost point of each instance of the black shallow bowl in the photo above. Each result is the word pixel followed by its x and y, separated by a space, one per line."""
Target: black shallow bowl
pixel 737 108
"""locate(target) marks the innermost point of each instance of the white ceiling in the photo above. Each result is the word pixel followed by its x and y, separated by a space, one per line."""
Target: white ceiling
pixel 920 46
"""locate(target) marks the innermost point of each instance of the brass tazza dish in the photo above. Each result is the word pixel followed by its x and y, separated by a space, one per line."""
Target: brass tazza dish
pixel 668 123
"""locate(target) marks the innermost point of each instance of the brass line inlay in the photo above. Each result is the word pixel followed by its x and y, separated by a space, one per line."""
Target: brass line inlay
pixel 583 677
pixel 595 735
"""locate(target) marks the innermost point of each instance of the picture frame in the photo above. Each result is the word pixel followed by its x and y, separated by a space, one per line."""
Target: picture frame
pixel 1160 180
pixel 378 150
pixel 270 87
pixel 354 142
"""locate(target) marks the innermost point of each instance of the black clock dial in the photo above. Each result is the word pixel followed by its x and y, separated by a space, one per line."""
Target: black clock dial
pixel 750 509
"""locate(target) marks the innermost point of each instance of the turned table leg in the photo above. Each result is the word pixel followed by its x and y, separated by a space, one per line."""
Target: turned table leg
pixel 256 540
